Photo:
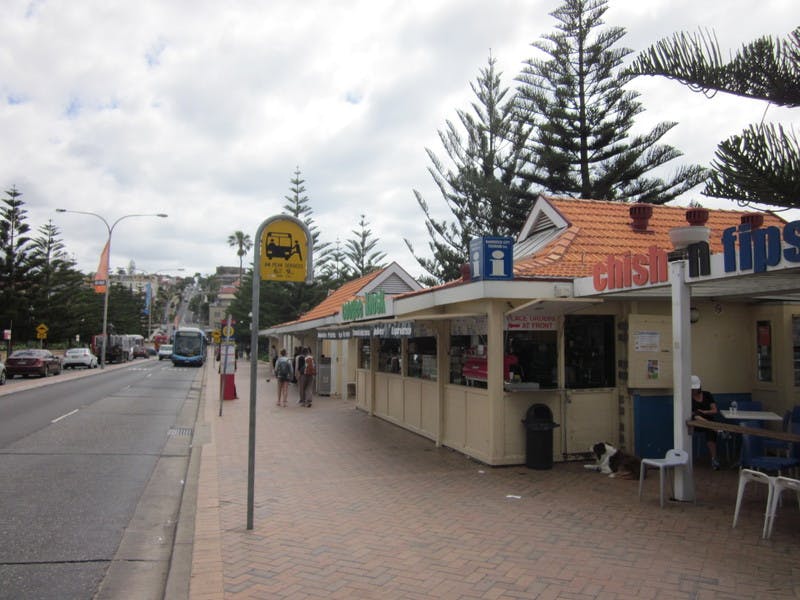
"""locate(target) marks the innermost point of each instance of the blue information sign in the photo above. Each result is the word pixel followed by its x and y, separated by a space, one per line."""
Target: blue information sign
pixel 491 258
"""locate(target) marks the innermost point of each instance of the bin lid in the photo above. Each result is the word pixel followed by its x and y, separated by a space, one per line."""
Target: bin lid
pixel 540 425
pixel 539 413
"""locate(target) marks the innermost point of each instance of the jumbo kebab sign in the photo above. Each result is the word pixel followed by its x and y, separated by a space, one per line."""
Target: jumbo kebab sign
pixel 744 250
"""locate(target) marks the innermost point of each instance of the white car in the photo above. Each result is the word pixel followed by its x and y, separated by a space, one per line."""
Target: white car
pixel 79 357
pixel 164 351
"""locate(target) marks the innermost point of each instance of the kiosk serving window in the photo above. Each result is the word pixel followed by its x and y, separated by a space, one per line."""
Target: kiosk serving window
pixel 389 357
pixel 532 357
pixel 421 358
pixel 364 353
pixel 459 348
pixel 589 351
pixel 468 351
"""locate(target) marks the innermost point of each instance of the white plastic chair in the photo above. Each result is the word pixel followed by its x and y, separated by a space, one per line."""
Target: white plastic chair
pixel 673 458
pixel 781 483
pixel 745 476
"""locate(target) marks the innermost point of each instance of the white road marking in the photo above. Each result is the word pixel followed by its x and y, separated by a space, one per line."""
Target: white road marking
pixel 70 413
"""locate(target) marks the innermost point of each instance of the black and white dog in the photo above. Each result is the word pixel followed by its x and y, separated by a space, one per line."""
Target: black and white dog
pixel 614 462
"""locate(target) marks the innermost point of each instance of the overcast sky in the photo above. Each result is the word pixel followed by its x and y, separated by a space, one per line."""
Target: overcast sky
pixel 204 109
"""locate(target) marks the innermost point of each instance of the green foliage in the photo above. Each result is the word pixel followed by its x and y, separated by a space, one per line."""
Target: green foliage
pixel 281 301
pixel 360 253
pixel 53 284
pixel 243 243
pixel 40 284
pixel 762 164
pixel 298 207
pixel 574 97
pixel 15 263
pixel 482 189
pixel 334 269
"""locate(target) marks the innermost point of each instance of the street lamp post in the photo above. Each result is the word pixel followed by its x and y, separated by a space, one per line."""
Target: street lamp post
pixel 110 229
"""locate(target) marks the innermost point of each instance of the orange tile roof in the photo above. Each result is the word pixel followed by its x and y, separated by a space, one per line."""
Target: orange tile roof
pixel 598 228
pixel 331 305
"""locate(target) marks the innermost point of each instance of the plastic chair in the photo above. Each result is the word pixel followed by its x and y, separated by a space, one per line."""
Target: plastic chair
pixel 753 456
pixel 745 476
pixel 778 446
pixel 673 458
pixel 780 483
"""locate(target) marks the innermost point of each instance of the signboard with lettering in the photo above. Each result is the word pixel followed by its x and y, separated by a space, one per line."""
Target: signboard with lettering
pixel 284 251
pixel 529 322
pixel 491 258
pixel 373 304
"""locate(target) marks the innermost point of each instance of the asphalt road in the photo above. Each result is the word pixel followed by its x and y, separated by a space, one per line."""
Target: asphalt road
pixel 92 469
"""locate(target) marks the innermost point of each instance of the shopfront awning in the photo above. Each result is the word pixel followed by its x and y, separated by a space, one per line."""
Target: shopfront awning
pixel 554 306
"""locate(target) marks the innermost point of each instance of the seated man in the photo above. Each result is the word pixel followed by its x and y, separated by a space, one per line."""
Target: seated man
pixel 704 407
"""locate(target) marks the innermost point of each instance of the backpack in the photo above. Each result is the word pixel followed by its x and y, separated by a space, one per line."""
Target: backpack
pixel 283 369
pixel 301 364
pixel 310 369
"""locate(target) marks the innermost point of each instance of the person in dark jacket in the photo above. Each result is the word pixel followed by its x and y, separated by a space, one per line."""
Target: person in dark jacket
pixel 704 407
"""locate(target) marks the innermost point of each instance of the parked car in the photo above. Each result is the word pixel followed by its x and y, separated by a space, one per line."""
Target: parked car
pixel 2 373
pixel 164 351
pixel 33 362
pixel 140 352
pixel 79 357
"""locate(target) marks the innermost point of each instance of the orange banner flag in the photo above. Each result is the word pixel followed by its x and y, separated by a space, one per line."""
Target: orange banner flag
pixel 101 277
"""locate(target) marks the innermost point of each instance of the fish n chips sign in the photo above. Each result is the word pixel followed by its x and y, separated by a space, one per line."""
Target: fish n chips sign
pixel 744 250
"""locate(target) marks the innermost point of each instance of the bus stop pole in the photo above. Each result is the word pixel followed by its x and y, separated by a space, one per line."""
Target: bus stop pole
pixel 251 449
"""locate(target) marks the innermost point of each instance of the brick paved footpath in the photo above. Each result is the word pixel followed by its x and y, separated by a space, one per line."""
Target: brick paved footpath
pixel 350 506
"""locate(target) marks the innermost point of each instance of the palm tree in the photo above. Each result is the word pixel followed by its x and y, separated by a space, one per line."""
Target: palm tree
pixel 242 242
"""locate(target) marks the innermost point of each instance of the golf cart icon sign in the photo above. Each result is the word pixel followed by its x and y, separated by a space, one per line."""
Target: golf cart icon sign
pixel 284 251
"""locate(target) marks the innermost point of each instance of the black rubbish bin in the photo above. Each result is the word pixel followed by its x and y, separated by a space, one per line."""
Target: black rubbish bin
pixel 539 426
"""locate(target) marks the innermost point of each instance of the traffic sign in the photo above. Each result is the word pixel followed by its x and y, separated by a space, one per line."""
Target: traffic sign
pixel 284 251
pixel 42 328
pixel 227 331
pixel 215 335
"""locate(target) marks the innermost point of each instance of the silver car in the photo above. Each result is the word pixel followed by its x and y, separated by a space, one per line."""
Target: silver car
pixel 79 357
pixel 2 373
pixel 164 351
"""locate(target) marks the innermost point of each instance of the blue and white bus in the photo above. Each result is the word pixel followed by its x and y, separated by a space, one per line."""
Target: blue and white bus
pixel 189 347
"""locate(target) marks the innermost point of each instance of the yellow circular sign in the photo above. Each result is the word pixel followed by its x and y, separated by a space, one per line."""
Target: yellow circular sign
pixel 284 251
pixel 227 331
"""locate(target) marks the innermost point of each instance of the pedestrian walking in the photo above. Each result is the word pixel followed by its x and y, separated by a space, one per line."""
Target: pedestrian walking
pixel 284 373
pixel 299 372
pixel 309 377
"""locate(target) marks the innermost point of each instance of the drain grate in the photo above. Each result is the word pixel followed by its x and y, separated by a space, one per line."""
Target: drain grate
pixel 180 431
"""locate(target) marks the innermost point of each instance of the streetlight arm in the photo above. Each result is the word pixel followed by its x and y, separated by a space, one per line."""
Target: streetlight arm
pixel 110 229
pixel 81 212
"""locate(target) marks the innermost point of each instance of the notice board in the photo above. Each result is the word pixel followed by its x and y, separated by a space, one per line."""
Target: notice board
pixel 650 351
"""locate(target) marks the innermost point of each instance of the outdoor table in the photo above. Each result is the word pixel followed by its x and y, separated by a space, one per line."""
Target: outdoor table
pixel 785 436
pixel 751 415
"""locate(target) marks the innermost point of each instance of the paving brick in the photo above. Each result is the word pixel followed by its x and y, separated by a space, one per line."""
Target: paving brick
pixel 350 506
